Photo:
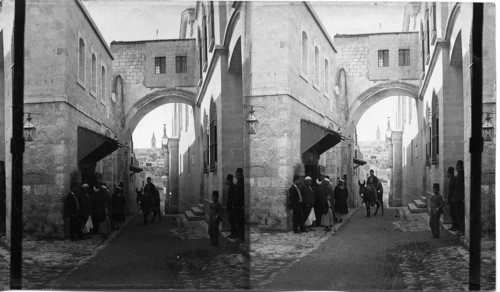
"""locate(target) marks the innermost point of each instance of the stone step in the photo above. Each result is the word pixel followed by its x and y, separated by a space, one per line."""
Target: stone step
pixel 415 209
pixel 201 206
pixel 197 211
pixel 192 217
pixel 420 204
pixel 423 198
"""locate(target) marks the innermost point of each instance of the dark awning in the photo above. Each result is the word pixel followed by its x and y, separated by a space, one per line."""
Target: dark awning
pixel 316 138
pixel 93 146
pixel 135 169
pixel 358 161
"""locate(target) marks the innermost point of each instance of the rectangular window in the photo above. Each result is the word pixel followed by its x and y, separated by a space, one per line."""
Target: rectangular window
pixel 404 57
pixel 383 58
pixel 180 64
pixel 160 65
pixel 103 83
pixel 94 74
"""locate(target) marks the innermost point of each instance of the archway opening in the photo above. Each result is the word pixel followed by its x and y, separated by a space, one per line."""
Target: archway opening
pixel 155 133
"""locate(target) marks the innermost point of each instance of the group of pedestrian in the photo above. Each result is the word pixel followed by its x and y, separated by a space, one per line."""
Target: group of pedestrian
pixel 456 196
pixel 315 207
pixel 94 211
pixel 149 201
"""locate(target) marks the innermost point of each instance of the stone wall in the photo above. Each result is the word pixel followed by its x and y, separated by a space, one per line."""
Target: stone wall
pixel 63 104
pixel 6 26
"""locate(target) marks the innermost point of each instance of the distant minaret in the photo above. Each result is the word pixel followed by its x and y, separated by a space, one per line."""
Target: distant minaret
pixel 153 142
pixel 164 139
pixel 378 133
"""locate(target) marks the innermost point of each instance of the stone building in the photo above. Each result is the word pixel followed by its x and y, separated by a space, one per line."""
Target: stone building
pixel 6 26
pixel 68 75
pixel 437 125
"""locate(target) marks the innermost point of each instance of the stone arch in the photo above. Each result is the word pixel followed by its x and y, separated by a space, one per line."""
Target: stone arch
pixel 377 93
pixel 153 100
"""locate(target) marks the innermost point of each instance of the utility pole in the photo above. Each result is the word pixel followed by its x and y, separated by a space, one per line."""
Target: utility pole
pixel 476 147
pixel 17 146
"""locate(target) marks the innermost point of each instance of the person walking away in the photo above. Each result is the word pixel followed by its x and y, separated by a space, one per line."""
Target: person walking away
pixel 73 211
pixel 329 192
pixel 156 204
pixel 437 204
pixel 215 219
pixel 239 204
pixel 147 199
pixel 105 224
pixel 341 194
pixel 327 217
pixel 98 208
pixel 451 199
pixel 86 209
pixel 118 204
pixel 459 196
pixel 308 199
pixel 319 199
pixel 295 200
pixel 231 216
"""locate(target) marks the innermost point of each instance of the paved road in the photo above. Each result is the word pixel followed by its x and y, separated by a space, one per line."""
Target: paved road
pixel 154 256
pixel 371 254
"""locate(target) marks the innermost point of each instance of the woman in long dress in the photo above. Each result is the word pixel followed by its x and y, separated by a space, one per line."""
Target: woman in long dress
pixel 118 208
pixel 341 194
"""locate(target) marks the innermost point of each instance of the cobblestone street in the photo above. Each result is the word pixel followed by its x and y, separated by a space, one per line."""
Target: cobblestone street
pixel 173 254
pixel 367 253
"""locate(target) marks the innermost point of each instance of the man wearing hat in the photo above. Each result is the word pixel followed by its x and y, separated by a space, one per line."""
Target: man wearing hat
pixel 308 199
pixel 73 211
pixel 239 204
pixel 231 189
pixel 86 205
pixel 295 200
pixel 215 219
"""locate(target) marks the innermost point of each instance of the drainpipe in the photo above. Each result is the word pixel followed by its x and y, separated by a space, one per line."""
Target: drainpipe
pixel 476 147
pixel 17 146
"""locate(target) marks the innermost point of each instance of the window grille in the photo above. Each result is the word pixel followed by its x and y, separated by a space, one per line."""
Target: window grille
pixel 383 58
pixel 160 65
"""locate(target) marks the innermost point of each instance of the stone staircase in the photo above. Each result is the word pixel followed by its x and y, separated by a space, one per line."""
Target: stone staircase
pixel 196 213
pixel 418 206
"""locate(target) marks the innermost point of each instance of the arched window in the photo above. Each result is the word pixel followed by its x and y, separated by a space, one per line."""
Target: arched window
pixel 94 74
pixel 81 61
pixel 316 66
pixel 305 53
pixel 435 128
pixel 327 76
pixel 213 136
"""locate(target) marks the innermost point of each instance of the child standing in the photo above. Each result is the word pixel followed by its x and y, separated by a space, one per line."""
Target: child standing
pixel 327 218
pixel 437 204
pixel 215 219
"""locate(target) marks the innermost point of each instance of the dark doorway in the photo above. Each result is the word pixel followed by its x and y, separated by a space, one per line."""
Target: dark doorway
pixel 3 194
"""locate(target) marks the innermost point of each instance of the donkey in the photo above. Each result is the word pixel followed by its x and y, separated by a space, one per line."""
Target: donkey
pixel 371 196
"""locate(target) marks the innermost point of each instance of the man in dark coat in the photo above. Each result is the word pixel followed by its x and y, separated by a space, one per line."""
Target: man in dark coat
pixel 86 204
pixel 451 199
pixel 231 193
pixel 147 202
pixel 319 200
pixel 308 199
pixel 459 196
pixel 341 194
pixel 239 204
pixel 73 211
pixel 215 219
pixel 295 200
pixel 98 207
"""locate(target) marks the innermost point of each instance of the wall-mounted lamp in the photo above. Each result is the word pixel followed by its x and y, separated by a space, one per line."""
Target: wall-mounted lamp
pixel 29 128
pixel 487 128
pixel 251 120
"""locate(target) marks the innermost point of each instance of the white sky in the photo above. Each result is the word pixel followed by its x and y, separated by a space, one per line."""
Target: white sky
pixel 139 20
